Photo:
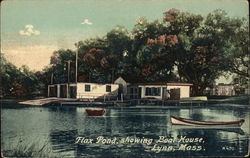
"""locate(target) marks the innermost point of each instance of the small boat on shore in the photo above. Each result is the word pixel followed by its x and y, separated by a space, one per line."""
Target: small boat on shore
pixel 197 98
pixel 95 112
pixel 188 122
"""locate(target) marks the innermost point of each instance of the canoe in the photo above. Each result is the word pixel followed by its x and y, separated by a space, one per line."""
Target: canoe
pixel 188 122
pixel 198 98
pixel 95 112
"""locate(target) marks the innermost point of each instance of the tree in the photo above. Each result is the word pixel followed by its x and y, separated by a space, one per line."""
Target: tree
pixel 240 84
pixel 204 46
pixel 239 56
pixel 153 49
pixel 19 90
pixel 90 53
pixel 18 82
pixel 201 48
pixel 104 56
pixel 8 73
pixel 118 49
pixel 59 67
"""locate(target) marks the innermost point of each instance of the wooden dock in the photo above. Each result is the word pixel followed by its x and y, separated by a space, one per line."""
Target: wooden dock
pixel 166 102
pixel 132 102
pixel 44 101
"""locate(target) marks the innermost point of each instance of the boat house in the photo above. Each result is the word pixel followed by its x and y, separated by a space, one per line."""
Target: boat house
pixel 131 89
pixel 82 90
pixel 222 89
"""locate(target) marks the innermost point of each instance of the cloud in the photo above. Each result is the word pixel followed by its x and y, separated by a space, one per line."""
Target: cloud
pixel 86 21
pixel 29 30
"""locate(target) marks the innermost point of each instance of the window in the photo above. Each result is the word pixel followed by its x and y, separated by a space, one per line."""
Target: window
pixel 131 90
pixel 136 90
pixel 153 91
pixel 87 88
pixel 148 91
pixel 108 88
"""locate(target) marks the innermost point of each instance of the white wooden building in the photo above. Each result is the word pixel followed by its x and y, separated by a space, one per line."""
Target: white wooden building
pixel 165 90
pixel 158 90
pixel 224 90
pixel 82 90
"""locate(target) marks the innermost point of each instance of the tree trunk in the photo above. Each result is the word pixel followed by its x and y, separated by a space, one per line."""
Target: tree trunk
pixel 197 90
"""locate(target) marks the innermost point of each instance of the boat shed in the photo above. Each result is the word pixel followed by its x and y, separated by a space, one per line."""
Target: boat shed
pixel 82 90
pixel 165 90
pixel 159 90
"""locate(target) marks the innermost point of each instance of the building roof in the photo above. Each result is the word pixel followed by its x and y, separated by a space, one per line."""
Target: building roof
pixel 139 81
pixel 167 83
pixel 73 83
pixel 179 84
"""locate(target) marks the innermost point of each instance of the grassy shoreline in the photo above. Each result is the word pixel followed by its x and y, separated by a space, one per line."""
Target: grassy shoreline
pixel 12 103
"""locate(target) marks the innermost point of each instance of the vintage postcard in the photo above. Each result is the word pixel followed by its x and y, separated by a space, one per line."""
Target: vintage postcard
pixel 125 78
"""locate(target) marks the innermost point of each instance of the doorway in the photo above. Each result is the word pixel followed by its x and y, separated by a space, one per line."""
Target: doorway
pixel 164 93
pixel 175 94
pixel 63 91
pixel 120 91
pixel 72 92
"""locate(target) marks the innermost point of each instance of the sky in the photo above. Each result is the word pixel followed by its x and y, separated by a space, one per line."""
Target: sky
pixel 31 30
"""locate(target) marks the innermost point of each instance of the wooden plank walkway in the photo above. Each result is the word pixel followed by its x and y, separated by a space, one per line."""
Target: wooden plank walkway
pixel 166 102
pixel 132 102
pixel 41 102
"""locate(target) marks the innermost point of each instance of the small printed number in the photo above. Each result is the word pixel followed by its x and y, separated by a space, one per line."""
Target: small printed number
pixel 227 148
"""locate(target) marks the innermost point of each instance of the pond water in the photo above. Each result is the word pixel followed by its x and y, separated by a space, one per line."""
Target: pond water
pixel 122 132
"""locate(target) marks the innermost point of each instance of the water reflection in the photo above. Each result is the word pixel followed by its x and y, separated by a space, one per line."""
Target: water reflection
pixel 62 141
pixel 64 125
pixel 219 142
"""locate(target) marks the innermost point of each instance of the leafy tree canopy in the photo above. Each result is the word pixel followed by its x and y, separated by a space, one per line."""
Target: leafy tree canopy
pixel 181 46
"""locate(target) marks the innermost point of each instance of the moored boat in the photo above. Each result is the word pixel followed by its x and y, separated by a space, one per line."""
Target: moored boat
pixel 188 122
pixel 197 98
pixel 95 112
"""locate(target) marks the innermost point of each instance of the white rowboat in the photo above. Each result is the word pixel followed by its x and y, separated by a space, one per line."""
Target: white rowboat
pixel 188 122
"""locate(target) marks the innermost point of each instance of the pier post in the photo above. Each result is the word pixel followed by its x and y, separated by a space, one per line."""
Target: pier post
pixel 67 88
pixel 58 90
pixel 48 91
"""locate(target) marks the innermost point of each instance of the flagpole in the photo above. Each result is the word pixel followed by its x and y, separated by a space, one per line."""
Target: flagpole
pixel 76 61
pixel 76 68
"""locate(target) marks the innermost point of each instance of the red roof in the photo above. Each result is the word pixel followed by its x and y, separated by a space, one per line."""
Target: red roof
pixel 166 83
pixel 179 84
pixel 139 81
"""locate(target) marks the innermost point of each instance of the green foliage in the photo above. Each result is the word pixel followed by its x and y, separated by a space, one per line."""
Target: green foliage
pixel 201 48
pixel 239 54
pixel 18 83
pixel 183 22
pixel 185 42
pixel 118 41
pixel 204 53
pixel 240 84
pixel 59 66
pixel 146 53
pixel 19 149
